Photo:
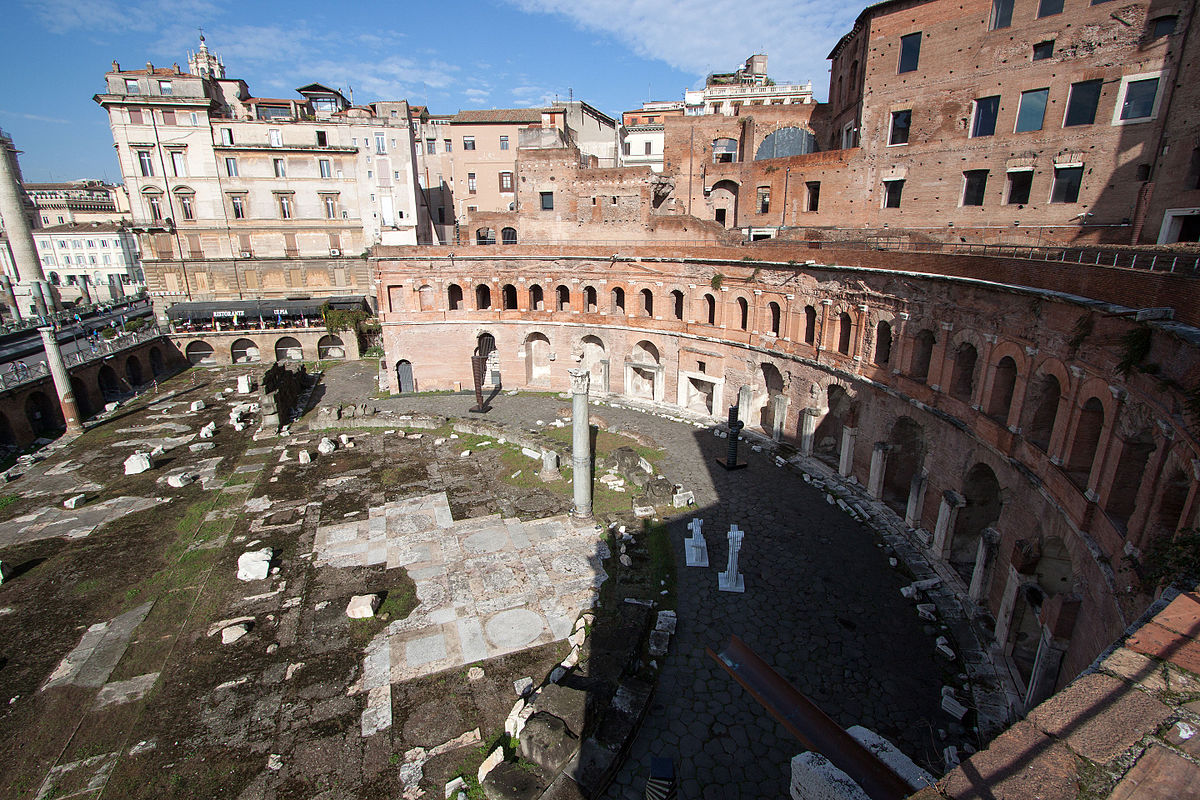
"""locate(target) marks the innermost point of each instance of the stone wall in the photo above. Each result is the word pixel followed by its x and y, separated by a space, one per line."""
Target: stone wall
pixel 992 417
pixel 255 346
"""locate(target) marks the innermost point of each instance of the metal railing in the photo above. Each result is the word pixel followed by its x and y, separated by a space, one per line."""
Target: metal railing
pixel 18 373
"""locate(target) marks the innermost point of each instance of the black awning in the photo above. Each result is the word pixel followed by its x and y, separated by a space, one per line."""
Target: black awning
pixel 267 309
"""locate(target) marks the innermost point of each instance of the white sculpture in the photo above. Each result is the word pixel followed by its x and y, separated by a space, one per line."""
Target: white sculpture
pixel 695 549
pixel 730 580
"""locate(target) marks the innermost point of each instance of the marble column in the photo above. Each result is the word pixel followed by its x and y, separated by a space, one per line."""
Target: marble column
pixel 62 381
pixel 581 444
pixel 808 430
pixel 879 455
pixel 952 501
pixel 983 563
pixel 916 500
pixel 779 406
pixel 846 462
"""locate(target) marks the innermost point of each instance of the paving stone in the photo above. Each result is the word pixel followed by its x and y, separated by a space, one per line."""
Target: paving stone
pixel 1099 717
pixel 1020 764
pixel 1159 775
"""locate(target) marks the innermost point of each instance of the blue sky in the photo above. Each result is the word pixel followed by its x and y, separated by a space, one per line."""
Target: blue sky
pixel 448 55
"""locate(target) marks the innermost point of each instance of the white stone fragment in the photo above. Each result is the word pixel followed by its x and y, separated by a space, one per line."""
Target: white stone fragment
pixel 326 446
pixel 490 763
pixel 181 479
pixel 75 501
pixel 523 686
pixel 244 385
pixel 362 606
pixel 304 457
pixel 138 463
pixel 208 431
pixel 475 674
pixel 254 565
pixel 234 632
pixel 197 405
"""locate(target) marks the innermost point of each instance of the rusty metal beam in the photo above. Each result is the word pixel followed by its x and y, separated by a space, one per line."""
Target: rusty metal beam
pixel 808 723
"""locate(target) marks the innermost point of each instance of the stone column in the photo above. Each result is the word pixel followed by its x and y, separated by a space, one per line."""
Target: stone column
pixel 1008 604
pixel 808 430
pixel 62 381
pixel 745 398
pixel 85 294
pixel 916 500
pixel 779 405
pixel 983 558
pixel 581 444
pixel 1046 666
pixel 846 462
pixel 879 456
pixel 952 501
pixel 16 225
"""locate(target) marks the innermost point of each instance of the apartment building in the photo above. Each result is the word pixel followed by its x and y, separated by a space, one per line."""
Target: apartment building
pixel 433 144
pixel 482 151
pixel 80 201
pixel 90 261
pixel 234 194
pixel 642 133
pixel 726 92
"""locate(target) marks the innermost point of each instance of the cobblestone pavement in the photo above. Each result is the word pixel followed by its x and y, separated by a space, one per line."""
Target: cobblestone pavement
pixel 822 605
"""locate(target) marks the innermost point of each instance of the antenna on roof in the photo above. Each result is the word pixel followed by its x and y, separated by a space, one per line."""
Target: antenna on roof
pixel 201 35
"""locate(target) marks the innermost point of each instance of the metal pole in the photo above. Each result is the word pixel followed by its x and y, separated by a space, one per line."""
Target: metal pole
pixel 62 381
pixel 581 444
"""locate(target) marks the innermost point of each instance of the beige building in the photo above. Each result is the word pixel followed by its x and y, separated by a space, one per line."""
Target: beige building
pixel 435 171
pixel 234 194
pixel 726 92
pixel 482 150
pixel 81 201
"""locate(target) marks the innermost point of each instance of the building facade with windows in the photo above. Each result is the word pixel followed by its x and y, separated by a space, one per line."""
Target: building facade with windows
pixel 642 133
pixel 234 195
pixel 726 93
pixel 96 261
pixel 78 201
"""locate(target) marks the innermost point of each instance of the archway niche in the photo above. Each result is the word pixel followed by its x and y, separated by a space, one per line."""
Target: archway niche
pixel 508 297
pixel 1004 383
pixel 562 298
pixel 157 366
pixel 1087 439
pixel 537 358
pixel 199 352
pixel 772 381
pixel 743 313
pixel 904 461
pixel 724 200
pixel 244 351
pixel 508 236
pixel 810 325
pixel 677 304
pixel 454 297
pixel 776 314
pixel 1053 575
pixel 1127 480
pixel 537 298
pixel 1046 396
pixel 133 371
pixel 589 300
pixel 922 354
pixel 962 377
pixel 109 383
pixel 616 301
pixel 643 375
pixel 426 298
pixel 984 501
pixel 710 309
pixel 593 358
pixel 827 439
pixel 43 414
pixel 288 348
pixel 330 347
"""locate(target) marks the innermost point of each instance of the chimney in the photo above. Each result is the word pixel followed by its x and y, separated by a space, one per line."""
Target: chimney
pixel 116 66
pixel 176 67
pixel 149 67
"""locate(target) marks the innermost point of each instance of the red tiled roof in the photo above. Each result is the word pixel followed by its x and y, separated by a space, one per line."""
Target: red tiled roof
pixel 494 115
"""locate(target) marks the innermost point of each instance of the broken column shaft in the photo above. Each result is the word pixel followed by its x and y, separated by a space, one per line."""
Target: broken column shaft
pixel 581 444
pixel 16 226
pixel 62 381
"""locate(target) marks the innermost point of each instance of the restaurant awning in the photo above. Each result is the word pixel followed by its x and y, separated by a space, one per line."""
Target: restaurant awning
pixel 267 309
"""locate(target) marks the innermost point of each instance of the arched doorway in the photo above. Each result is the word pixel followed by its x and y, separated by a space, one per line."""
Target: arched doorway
pixel 982 509
pixel 508 297
pixel 883 344
pixel 537 359
pixel 594 360
pixel 1127 480
pixel 330 347
pixel 133 372
pixel 772 381
pixel 922 354
pixel 244 351
pixel 724 200
pixel 710 309
pixel 904 461
pixel 454 297
pixel 156 362
pixel 43 415
pixel 962 378
pixel 677 304
pixel 827 439
pixel 110 384
pixel 810 325
pixel 562 298
pixel 1004 383
pixel 537 300
pixel 199 352
pixel 288 348
pixel 404 376
pixel 82 399
pixel 485 236
pixel 643 375
pixel 617 301
pixel 1046 396
pixel 845 331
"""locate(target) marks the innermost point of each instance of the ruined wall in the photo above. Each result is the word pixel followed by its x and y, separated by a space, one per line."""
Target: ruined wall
pixel 845 361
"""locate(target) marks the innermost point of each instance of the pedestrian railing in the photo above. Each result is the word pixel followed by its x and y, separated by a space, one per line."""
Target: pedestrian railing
pixel 18 373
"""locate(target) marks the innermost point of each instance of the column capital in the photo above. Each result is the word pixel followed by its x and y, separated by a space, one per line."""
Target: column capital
pixel 579 380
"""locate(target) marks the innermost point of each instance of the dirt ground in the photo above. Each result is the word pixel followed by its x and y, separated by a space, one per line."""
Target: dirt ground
pixel 171 711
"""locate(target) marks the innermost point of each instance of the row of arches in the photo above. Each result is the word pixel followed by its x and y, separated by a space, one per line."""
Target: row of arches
pixel 248 351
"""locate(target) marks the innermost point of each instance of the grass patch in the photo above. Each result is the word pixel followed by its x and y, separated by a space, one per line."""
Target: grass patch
pixel 7 500
pixel 399 603
pixel 662 558
pixel 522 472
pixel 607 442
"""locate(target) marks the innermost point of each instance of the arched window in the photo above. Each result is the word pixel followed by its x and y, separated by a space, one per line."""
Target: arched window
pixel 962 379
pixel 810 325
pixel 589 299
pixel 677 304
pixel 1087 439
pixel 485 236
pixel 536 300
pixel 617 305
pixel 1003 384
pixel 647 302
pixel 845 327
pixel 883 343
pixel 724 151
pixel 508 236
pixel 483 296
pixel 743 313
pixel 562 297
pixel 1041 428
pixel 922 354
pixel 454 297
pixel 776 317
pixel 710 309
pixel 508 297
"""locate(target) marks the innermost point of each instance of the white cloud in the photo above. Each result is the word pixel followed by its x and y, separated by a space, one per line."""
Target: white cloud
pixel 120 16
pixel 35 117
pixel 702 36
